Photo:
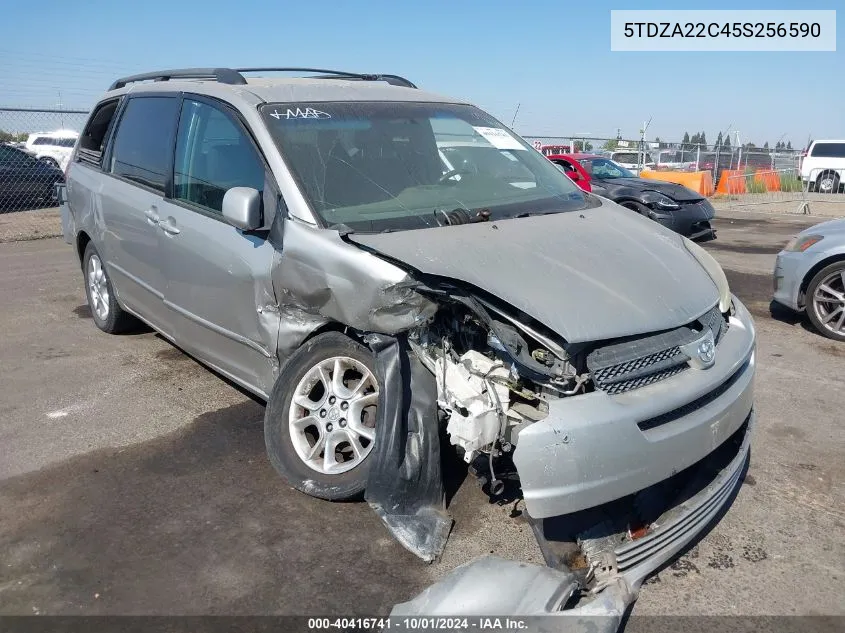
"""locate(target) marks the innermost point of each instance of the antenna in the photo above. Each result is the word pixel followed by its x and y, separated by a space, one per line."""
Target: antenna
pixel 514 115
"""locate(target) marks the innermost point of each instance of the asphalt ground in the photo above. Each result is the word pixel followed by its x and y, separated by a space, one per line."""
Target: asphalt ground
pixel 134 481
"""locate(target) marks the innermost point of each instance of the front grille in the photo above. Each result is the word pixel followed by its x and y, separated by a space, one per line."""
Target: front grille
pixel 632 364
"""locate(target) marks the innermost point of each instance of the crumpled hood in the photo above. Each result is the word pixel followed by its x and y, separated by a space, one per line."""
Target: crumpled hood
pixel 588 275
pixel 671 189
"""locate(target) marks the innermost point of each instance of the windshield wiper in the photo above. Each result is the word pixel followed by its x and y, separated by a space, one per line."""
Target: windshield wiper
pixel 461 216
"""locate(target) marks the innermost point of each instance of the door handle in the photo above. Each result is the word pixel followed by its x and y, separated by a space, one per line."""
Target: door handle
pixel 168 226
pixel 152 216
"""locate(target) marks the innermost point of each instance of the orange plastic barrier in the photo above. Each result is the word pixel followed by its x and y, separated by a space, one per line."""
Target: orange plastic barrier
pixel 699 181
pixel 731 181
pixel 769 178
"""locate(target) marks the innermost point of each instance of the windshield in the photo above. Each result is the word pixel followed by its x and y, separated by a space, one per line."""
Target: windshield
pixel 402 165
pixel 605 168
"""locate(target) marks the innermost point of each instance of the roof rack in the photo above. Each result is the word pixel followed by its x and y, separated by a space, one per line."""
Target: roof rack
pixel 394 80
pixel 221 75
pixel 234 77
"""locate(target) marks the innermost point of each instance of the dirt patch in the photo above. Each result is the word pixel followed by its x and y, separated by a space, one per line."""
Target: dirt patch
pixel 30 225
pixel 787 432
pixel 83 311
pixel 836 350
pixel 193 523
pixel 744 248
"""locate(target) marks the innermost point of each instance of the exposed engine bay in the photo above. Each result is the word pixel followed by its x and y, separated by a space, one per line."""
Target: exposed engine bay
pixel 495 375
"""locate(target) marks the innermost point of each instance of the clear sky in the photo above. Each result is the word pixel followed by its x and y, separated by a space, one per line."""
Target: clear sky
pixel 552 57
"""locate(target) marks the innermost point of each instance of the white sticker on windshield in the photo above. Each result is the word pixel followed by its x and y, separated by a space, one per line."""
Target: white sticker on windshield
pixel 499 138
pixel 300 113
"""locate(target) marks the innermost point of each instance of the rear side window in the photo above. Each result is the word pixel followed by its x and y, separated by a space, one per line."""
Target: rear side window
pixel 828 150
pixel 93 139
pixel 567 166
pixel 143 144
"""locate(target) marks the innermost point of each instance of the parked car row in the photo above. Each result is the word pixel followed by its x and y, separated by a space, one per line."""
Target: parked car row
pixel 25 181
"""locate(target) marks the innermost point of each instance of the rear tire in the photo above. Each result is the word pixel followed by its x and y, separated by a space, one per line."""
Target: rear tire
pixel 325 416
pixel 828 182
pixel 102 301
pixel 50 161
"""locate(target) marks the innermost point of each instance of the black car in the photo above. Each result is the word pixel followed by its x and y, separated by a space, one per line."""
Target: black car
pixel 674 206
pixel 26 182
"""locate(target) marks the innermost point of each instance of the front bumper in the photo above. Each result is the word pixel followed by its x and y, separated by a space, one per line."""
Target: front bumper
pixel 539 595
pixel 596 448
pixel 691 220
pixel 790 268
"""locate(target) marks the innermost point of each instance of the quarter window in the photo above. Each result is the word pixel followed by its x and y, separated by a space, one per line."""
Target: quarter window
pixel 144 141
pixel 213 154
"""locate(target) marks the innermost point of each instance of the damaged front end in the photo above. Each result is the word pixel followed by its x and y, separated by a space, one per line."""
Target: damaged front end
pixel 625 448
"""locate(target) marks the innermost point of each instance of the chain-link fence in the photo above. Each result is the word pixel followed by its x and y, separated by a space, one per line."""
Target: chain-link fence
pixel 35 146
pixel 818 191
pixel 640 154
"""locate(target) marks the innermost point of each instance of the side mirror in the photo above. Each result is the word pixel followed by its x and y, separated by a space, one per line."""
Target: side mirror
pixel 242 208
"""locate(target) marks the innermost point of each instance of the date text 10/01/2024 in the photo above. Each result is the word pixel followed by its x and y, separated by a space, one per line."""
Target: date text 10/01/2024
pixel 418 624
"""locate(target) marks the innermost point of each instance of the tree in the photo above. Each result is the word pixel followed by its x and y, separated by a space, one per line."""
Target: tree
pixel 583 146
pixel 610 144
pixel 685 141
pixel 789 145
pixel 727 143
pixel 702 139
pixel 766 145
pixel 719 140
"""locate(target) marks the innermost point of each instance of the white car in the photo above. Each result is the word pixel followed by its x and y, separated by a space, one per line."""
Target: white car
pixel 823 168
pixel 54 148
pixel 630 159
pixel 674 160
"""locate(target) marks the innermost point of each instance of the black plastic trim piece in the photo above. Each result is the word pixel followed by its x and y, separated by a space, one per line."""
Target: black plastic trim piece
pixel 221 75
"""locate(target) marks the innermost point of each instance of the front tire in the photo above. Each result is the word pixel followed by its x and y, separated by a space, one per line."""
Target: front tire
pixel 319 425
pixel 105 310
pixel 826 301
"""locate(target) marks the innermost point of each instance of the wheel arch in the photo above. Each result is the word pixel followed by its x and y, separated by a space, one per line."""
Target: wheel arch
pixel 805 282
pixel 82 239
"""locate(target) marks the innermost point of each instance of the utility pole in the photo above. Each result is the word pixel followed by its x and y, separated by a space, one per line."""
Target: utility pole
pixel 61 112
pixel 641 153
pixel 513 121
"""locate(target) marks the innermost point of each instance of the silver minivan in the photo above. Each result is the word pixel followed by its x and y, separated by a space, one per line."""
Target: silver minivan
pixel 304 238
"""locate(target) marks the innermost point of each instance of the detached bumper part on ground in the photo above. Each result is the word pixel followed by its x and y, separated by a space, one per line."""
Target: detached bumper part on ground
pixel 476 588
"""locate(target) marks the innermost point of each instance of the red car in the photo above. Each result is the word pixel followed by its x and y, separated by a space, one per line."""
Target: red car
pixel 572 168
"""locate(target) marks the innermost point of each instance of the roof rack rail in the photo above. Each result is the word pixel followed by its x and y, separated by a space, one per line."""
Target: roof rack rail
pixel 393 80
pixel 234 76
pixel 221 75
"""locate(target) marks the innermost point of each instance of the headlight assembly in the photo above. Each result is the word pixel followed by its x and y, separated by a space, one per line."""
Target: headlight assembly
pixel 657 200
pixel 714 270
pixel 801 243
